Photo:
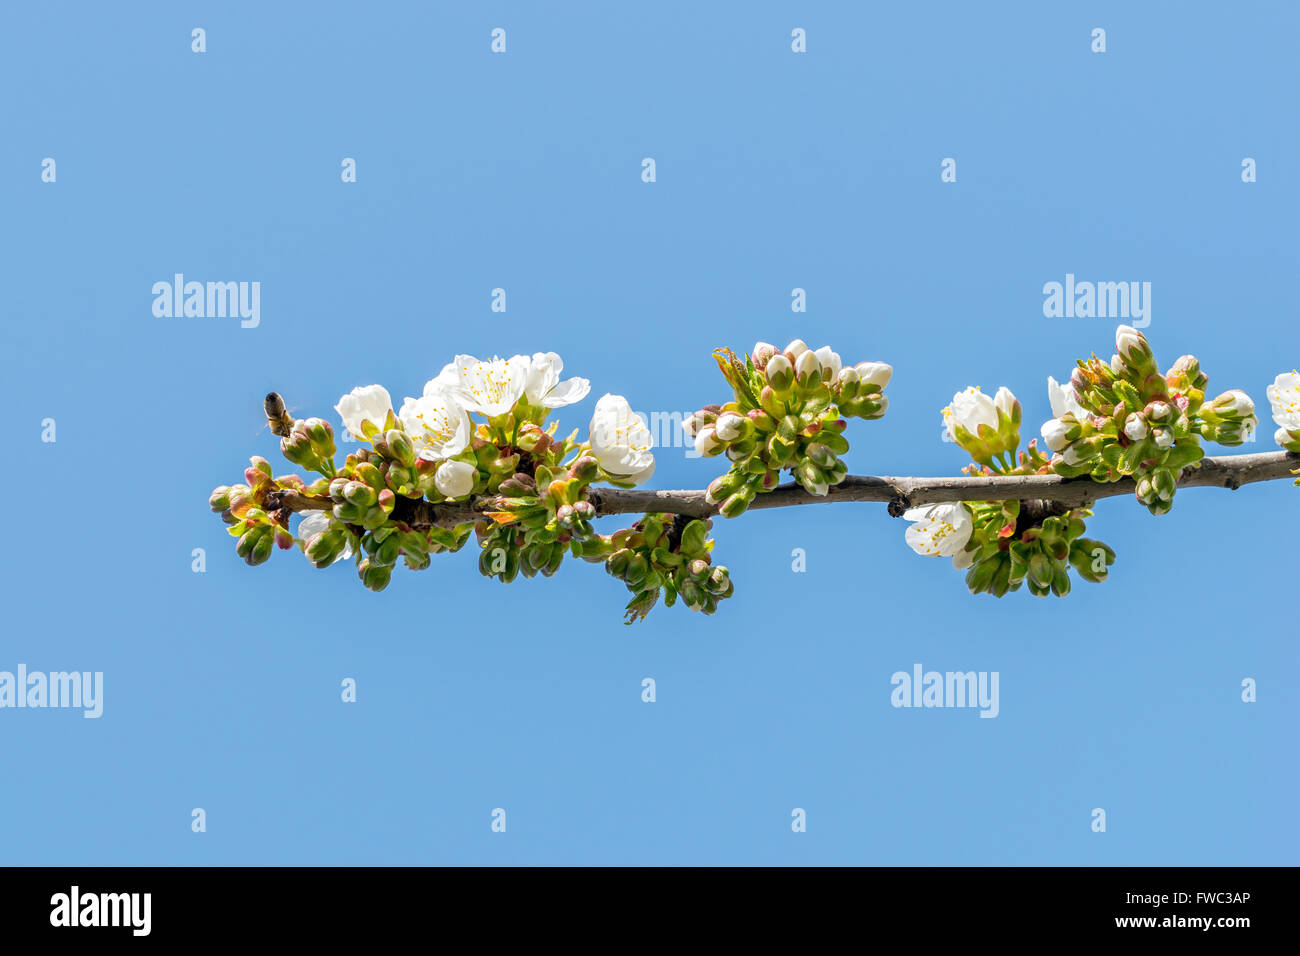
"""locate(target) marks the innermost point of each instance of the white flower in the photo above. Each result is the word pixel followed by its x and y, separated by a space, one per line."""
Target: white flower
pixel 369 403
pixel 1284 396
pixel 795 349
pixel 1005 402
pixel 620 440
pixel 437 423
pixel 315 523
pixel 970 409
pixel 544 387
pixel 1054 431
pixel 490 387
pixel 455 479
pixel 941 530
pixel 1064 402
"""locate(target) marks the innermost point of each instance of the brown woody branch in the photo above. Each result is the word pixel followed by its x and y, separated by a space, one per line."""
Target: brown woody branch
pixel 1048 494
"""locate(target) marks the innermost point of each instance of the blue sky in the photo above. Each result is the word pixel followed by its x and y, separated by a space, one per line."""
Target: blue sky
pixel 522 171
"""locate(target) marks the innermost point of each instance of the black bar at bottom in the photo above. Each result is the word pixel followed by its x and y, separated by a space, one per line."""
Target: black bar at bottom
pixel 375 904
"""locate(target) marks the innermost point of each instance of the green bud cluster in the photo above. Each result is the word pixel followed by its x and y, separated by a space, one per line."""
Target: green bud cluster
pixel 535 519
pixel 788 414
pixel 361 495
pixel 251 513
pixel 1001 555
pixel 310 443
pixel 1010 546
pixel 1136 422
pixel 668 555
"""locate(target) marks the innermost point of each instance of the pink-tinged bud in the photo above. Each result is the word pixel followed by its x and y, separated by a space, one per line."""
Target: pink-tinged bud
pixel 761 354
pixel 1159 412
pixel 584 469
pixel 795 349
pixel 1135 427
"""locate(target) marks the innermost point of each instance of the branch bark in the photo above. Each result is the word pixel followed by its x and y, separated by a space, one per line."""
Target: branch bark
pixel 1047 493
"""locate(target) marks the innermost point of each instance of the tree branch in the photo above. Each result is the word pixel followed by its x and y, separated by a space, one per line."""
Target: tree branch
pixel 1048 494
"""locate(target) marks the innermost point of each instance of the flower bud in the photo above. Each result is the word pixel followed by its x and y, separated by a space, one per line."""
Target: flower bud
pixel 723 487
pixel 219 500
pixel 830 363
pixel 874 373
pixel 1163 483
pixel 813 479
pixel 761 354
pixel 325 548
pixel 1132 346
pixel 1233 405
pixel 359 493
pixel 1135 427
pixel 820 455
pixel 1055 434
pixel 795 349
pixel 400 446
pixel 455 479
pixel 729 426
pixel 807 370
pixel 374 576
pixel 706 444
pixel 734 506
pixel 1159 412
pixel 1288 439
pixel 779 373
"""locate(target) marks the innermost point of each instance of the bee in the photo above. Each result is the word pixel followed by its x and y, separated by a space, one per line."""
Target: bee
pixel 277 417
